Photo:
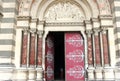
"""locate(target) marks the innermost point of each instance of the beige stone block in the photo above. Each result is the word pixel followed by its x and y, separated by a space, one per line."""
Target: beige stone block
pixel 90 74
pixel 108 74
pixel 39 74
pixel 32 74
pixel 22 74
pixel 98 73
pixel 5 74
pixel 117 74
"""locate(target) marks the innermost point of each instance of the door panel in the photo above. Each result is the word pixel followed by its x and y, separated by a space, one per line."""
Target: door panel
pixel 49 66
pixel 74 57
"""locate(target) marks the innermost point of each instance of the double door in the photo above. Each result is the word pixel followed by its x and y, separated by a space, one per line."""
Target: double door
pixel 74 57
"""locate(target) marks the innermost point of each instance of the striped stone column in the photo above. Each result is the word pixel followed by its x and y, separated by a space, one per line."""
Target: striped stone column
pixel 7 32
pixel 116 20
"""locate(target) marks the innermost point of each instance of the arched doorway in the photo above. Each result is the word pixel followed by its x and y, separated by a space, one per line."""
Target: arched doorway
pixel 64 56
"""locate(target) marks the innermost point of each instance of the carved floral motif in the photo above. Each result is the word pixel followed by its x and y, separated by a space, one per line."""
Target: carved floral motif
pixel 75 40
pixel 76 56
pixel 50 71
pixel 76 72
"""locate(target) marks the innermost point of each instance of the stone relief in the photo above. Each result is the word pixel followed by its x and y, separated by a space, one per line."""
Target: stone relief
pixel 64 11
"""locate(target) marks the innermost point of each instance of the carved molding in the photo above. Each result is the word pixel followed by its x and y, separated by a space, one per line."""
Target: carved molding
pixel 64 24
pixel 23 18
pixel 104 17
pixel 88 32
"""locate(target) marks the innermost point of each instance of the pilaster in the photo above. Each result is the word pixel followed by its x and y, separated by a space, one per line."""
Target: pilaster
pixel 23 24
pixel 108 46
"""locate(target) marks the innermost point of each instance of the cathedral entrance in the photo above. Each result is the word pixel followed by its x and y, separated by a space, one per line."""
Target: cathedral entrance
pixel 64 56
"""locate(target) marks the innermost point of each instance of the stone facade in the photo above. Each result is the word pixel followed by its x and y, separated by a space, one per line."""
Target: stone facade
pixel 25 25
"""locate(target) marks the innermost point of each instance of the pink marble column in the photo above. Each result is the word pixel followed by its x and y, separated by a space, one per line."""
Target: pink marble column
pixel 90 49
pixel 105 47
pixel 32 50
pixel 24 48
pixel 97 47
pixel 39 49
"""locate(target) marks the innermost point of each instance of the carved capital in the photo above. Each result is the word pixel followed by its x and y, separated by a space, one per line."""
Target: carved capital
pixel 40 33
pixel 89 31
pixel 26 30
pixel 96 30
pixel 33 31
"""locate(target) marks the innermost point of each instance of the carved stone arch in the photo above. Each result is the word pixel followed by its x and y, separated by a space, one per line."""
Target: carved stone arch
pixel 92 7
pixel 39 12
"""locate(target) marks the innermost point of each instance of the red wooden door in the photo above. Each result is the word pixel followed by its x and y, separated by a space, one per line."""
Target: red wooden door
pixel 49 66
pixel 74 57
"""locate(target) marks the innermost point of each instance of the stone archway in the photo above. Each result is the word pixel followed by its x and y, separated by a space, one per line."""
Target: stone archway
pixel 91 27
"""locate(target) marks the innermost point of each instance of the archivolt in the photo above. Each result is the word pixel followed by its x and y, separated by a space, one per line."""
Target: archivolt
pixel 37 8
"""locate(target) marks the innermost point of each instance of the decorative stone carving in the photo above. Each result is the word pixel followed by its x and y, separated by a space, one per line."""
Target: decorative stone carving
pixel 64 11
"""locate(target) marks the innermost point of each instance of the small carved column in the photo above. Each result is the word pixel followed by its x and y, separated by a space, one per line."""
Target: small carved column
pixel 32 48
pixel 90 49
pixel 40 69
pixel 39 49
pixel 24 48
pixel 105 47
pixel 97 46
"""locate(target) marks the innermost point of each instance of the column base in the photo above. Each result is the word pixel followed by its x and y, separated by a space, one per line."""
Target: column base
pixel 40 76
pixel 32 74
pixel 98 74
pixel 108 74
pixel 117 74
pixel 90 73
pixel 20 75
